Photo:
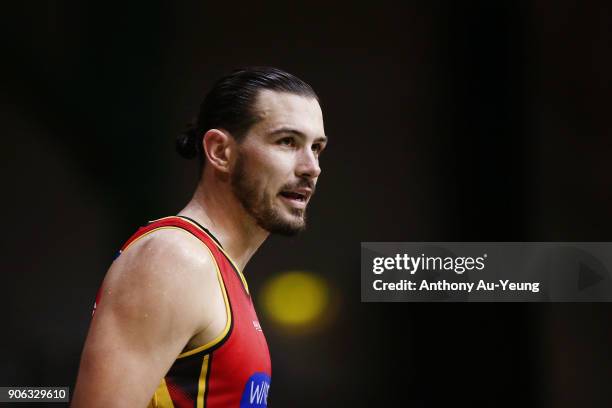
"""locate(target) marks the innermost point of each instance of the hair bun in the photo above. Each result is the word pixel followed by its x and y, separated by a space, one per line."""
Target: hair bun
pixel 186 143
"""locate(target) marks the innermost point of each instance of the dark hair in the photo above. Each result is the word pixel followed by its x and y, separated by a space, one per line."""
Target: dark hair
pixel 229 104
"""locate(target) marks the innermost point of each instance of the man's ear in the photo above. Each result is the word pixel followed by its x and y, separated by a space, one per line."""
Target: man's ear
pixel 218 146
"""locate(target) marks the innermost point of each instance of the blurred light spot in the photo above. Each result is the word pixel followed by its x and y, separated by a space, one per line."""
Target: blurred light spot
pixel 295 298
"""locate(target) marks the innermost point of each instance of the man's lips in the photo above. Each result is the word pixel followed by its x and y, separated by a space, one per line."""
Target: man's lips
pixel 296 197
pixel 293 202
pixel 300 194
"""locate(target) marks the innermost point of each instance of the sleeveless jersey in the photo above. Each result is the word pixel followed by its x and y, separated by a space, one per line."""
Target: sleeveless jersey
pixel 234 369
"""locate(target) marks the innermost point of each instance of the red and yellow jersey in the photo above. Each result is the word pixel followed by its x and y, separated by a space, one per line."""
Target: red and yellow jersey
pixel 234 369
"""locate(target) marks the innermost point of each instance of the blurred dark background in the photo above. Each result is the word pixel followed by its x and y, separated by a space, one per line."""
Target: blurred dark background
pixel 448 121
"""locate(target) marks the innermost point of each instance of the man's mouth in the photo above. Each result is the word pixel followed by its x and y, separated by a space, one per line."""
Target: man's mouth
pixel 294 196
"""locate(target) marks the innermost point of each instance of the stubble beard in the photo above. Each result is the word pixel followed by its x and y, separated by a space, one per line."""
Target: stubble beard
pixel 261 207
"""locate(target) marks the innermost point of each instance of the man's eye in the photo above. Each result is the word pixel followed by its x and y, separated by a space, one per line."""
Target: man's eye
pixel 286 141
pixel 317 148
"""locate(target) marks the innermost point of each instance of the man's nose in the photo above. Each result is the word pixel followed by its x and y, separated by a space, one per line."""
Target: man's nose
pixel 308 165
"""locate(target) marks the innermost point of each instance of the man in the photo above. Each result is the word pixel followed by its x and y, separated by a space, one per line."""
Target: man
pixel 174 324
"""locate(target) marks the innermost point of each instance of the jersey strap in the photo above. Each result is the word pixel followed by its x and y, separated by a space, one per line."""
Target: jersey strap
pixel 192 227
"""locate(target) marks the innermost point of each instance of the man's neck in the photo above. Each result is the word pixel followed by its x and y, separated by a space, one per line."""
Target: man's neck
pixel 215 207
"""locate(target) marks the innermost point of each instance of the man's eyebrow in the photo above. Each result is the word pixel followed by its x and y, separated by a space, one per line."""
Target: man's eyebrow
pixel 297 133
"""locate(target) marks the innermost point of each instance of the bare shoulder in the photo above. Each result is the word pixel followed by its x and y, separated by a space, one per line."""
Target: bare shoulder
pixel 171 251
pixel 168 271
pixel 153 301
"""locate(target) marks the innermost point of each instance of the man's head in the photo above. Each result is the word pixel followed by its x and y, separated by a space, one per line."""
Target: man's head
pixel 262 129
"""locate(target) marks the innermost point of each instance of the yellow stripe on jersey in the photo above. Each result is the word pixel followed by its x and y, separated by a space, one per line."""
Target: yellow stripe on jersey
pixel 149 232
pixel 242 278
pixel 223 290
pixel 228 313
pixel 161 397
pixel 202 383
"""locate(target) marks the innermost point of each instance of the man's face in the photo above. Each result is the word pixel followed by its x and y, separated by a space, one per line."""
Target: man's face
pixel 276 170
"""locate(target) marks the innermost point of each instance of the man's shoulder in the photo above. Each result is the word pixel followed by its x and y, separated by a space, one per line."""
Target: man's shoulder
pixel 167 271
pixel 172 258
pixel 169 247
